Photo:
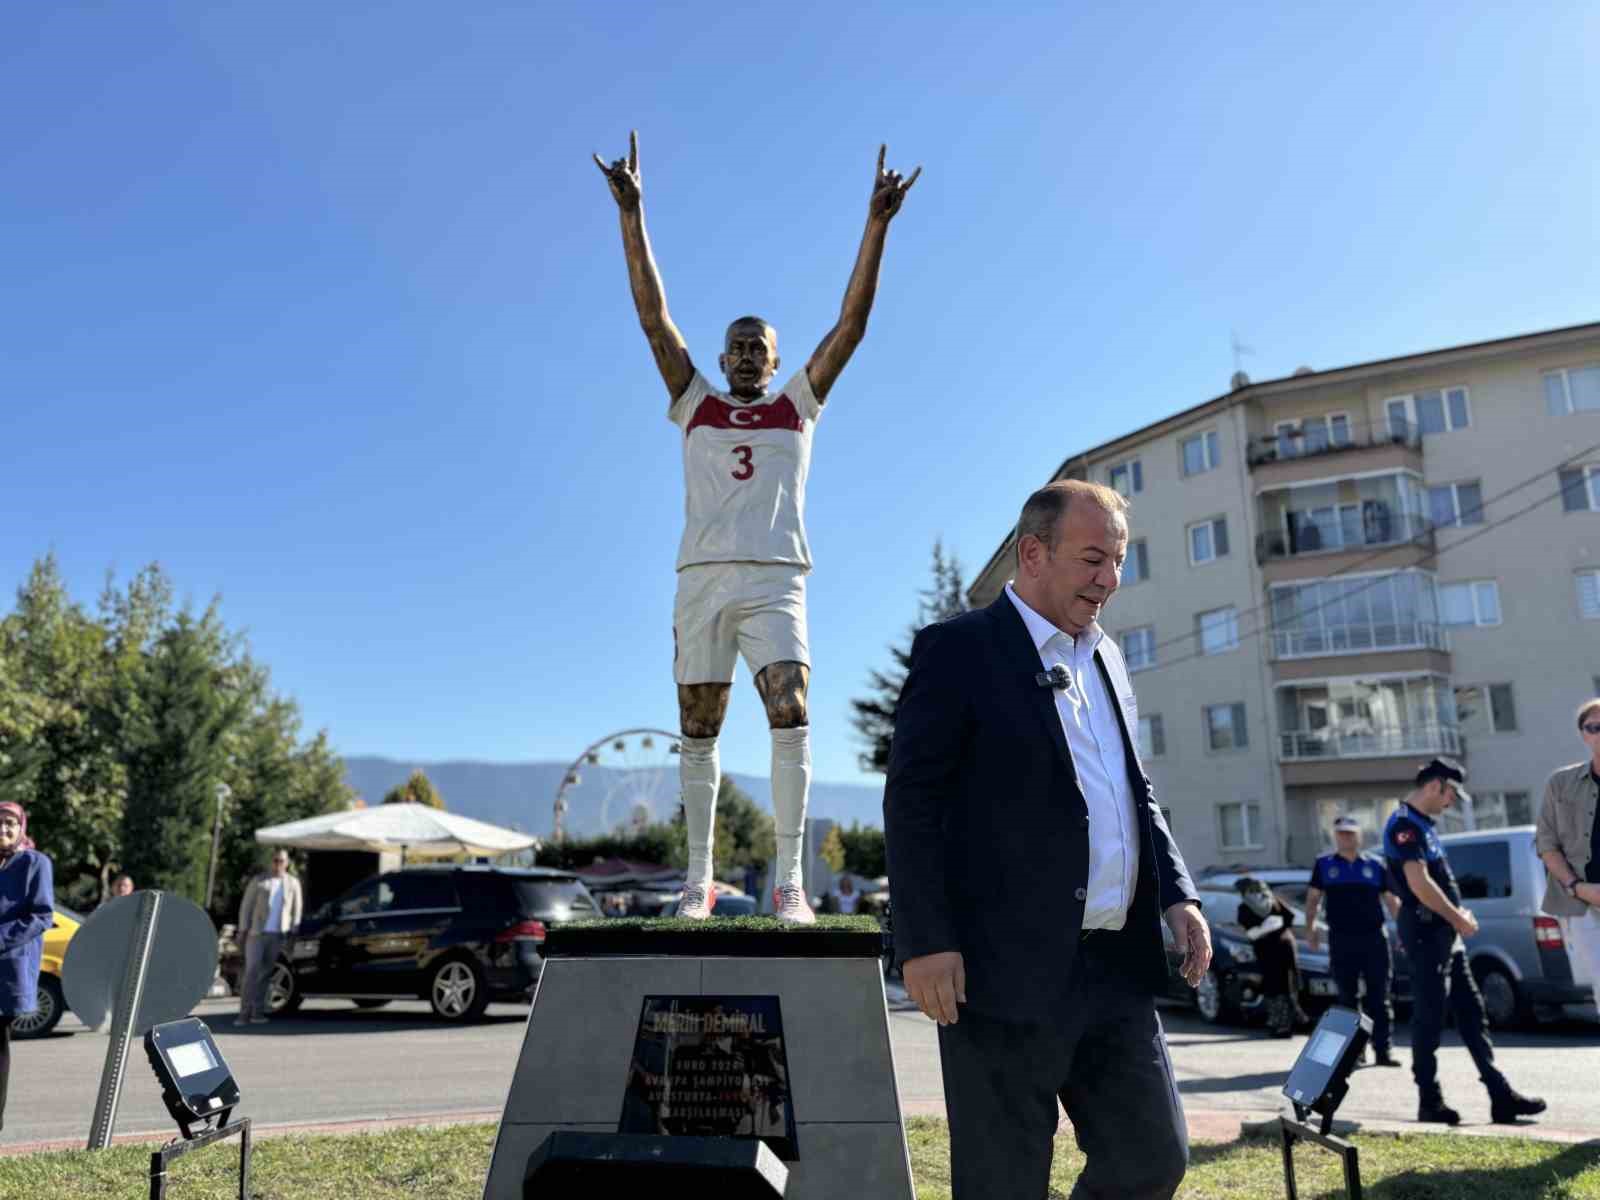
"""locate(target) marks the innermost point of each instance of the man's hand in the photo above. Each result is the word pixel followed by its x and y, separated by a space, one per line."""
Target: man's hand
pixel 1193 936
pixel 937 983
pixel 1464 922
pixel 1589 893
pixel 623 175
pixel 1314 938
pixel 888 191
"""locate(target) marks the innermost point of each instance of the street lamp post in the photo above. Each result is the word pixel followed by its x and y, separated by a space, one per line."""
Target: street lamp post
pixel 223 792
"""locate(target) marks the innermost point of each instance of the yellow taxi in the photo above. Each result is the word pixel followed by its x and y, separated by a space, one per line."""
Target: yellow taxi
pixel 52 1002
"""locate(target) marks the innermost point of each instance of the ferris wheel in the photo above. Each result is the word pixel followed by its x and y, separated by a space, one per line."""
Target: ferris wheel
pixel 640 772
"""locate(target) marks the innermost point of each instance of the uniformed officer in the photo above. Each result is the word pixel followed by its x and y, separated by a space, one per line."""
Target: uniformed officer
pixel 1432 924
pixel 1357 888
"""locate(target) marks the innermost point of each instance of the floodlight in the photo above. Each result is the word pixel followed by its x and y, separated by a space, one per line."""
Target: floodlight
pixel 1317 1083
pixel 1321 1075
pixel 196 1084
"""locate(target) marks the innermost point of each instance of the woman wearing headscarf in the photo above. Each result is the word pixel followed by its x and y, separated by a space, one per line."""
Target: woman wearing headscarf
pixel 27 910
pixel 1266 921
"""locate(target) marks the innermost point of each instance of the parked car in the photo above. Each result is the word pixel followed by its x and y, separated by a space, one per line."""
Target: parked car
pixel 52 1002
pixel 1518 955
pixel 455 936
pixel 1230 991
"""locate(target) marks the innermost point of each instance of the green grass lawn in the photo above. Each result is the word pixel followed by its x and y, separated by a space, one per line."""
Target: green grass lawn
pixel 450 1164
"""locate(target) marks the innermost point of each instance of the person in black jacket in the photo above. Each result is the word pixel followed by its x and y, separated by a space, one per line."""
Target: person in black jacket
pixel 1267 921
pixel 1031 870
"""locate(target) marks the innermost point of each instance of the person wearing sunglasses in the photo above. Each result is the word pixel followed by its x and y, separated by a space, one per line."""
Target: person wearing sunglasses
pixel 1568 841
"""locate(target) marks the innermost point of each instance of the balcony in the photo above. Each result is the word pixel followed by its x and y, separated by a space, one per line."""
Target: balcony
pixel 1364 729
pixel 1324 744
pixel 1356 526
pixel 1316 437
pixel 1358 639
pixel 1315 449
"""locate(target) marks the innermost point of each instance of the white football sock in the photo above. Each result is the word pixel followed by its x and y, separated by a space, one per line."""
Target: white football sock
pixel 791 781
pixel 699 774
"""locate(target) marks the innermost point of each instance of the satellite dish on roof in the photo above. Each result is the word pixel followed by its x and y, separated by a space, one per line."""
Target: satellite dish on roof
pixel 1239 380
pixel 1304 371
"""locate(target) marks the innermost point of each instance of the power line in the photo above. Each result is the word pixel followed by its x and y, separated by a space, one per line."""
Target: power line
pixel 1262 627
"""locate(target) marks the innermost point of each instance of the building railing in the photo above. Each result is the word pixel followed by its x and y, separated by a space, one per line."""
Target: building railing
pixel 1359 639
pixel 1335 437
pixel 1330 743
pixel 1378 525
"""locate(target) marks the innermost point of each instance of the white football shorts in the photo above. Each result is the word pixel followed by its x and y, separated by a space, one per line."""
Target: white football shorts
pixel 723 610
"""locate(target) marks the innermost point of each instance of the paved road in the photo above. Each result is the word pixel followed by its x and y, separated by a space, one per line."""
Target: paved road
pixel 332 1063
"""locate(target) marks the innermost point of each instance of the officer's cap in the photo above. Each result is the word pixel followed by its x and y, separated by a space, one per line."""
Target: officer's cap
pixel 1347 825
pixel 1441 768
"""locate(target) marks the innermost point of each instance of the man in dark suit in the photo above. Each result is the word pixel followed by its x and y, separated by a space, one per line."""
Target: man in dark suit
pixel 1031 868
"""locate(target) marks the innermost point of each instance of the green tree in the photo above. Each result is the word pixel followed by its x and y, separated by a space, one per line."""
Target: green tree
pixel 944 598
pixel 60 743
pixel 743 834
pixel 192 694
pixel 418 789
pixel 652 844
pixel 863 850
pixel 832 850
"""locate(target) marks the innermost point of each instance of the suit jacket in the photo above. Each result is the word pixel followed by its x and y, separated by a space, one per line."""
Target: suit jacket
pixel 257 903
pixel 987 830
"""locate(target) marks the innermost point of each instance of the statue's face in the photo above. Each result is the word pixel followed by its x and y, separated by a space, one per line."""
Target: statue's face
pixel 749 357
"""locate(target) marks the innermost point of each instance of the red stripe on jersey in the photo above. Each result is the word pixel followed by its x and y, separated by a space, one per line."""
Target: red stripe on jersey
pixel 716 413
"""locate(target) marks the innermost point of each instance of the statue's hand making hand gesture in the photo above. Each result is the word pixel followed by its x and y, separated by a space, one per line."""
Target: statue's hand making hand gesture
pixel 888 191
pixel 623 175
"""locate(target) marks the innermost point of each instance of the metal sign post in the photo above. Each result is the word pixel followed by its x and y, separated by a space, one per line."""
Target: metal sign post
pixel 128 998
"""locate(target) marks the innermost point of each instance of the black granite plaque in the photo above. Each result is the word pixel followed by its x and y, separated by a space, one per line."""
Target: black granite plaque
pixel 711 1066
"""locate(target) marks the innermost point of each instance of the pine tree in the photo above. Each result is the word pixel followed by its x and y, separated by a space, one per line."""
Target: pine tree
pixel 418 789
pixel 874 715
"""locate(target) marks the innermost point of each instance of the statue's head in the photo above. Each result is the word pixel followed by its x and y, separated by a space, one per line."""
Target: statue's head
pixel 749 357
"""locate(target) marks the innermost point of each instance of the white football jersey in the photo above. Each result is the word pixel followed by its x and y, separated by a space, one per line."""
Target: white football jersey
pixel 744 473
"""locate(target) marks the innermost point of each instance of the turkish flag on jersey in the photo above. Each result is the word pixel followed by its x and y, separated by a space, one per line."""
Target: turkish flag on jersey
pixel 716 413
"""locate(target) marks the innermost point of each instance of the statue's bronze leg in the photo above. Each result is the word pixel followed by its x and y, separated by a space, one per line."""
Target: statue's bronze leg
pixel 702 707
pixel 783 690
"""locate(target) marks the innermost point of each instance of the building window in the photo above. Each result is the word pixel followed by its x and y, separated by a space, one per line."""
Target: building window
pixel 1127 477
pixel 1208 540
pixel 1139 647
pixel 1201 453
pixel 1572 389
pixel 1437 411
pixel 1152 737
pixel 1580 489
pixel 1367 718
pixel 1456 504
pixel 1486 708
pixel 1218 630
pixel 1589 603
pixel 1496 810
pixel 1225 727
pixel 1473 603
pixel 1136 567
pixel 1313 435
pixel 1240 826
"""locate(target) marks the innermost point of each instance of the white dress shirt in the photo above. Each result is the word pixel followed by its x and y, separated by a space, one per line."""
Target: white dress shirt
pixel 274 905
pixel 1094 738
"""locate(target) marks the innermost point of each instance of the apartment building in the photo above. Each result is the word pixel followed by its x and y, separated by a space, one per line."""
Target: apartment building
pixel 1336 575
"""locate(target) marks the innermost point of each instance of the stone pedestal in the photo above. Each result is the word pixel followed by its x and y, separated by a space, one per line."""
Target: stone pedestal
pixel 578 1047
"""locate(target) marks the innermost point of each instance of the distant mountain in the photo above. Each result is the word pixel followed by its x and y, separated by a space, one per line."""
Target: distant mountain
pixel 522 795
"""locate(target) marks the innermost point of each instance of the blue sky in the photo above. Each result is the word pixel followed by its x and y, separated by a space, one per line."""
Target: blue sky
pixel 324 308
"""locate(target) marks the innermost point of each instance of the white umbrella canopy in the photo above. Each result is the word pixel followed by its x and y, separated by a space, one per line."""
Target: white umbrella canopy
pixel 415 830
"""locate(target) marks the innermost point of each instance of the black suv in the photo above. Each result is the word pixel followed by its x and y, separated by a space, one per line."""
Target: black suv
pixel 455 936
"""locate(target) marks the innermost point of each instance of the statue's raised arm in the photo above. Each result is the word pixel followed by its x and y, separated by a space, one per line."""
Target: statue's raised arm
pixel 888 193
pixel 666 343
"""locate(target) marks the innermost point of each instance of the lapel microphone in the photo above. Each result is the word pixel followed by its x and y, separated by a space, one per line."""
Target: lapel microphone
pixel 1056 677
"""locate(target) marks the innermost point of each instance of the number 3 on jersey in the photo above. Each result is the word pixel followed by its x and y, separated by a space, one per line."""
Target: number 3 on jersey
pixel 746 469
